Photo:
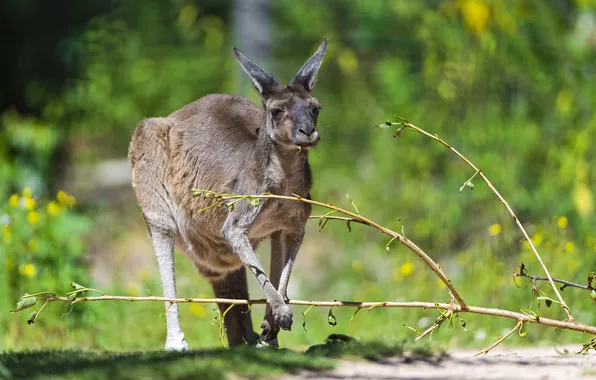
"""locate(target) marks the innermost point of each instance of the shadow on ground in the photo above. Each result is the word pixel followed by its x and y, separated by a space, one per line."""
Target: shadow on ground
pixel 204 364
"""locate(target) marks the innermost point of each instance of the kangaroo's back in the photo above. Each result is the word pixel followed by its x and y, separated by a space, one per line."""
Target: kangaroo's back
pixel 205 144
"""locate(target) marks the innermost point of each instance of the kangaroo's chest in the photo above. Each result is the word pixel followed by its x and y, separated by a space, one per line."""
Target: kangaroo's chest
pixel 279 215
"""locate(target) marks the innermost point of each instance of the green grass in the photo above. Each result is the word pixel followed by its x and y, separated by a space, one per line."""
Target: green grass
pixel 209 364
pixel 204 364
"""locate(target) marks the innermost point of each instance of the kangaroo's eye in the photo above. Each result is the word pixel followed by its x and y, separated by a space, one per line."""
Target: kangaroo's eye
pixel 316 110
pixel 276 112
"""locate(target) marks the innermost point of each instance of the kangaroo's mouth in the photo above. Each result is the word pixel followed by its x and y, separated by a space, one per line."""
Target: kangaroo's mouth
pixel 306 146
pixel 309 143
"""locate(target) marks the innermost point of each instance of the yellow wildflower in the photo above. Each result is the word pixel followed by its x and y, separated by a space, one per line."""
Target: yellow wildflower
pixel 537 238
pixel 357 265
pixel 406 269
pixel 61 197
pixel 583 200
pixel 27 192
pixel 198 310
pixel 14 200
pixel 562 221
pixel 32 217
pixel 71 201
pixel 476 15
pixel 65 199
pixel 28 270
pixel 29 203
pixel 494 230
pixel 131 289
pixel 569 247
pixel 53 208
pixel 7 234
pixel 32 245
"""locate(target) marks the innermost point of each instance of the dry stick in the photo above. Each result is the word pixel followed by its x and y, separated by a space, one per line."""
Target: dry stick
pixel 435 325
pixel 353 218
pixel 407 124
pixel 501 339
pixel 565 283
pixel 526 318
pixel 341 218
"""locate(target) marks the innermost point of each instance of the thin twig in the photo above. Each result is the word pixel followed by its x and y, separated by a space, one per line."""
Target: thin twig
pixel 486 350
pixel 565 283
pixel 407 124
pixel 357 217
pixel 341 218
pixel 435 325
pixel 526 318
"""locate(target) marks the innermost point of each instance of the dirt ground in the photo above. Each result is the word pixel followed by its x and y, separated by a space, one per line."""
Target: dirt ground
pixel 501 363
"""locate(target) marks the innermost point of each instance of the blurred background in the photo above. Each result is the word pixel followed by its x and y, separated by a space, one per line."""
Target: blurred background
pixel 511 84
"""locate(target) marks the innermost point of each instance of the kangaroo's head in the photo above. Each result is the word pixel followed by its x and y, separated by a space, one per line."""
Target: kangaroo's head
pixel 290 111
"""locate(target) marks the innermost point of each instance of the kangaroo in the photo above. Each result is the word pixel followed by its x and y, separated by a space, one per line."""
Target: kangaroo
pixel 227 144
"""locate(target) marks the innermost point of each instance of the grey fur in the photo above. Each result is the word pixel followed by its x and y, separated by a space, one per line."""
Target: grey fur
pixel 227 144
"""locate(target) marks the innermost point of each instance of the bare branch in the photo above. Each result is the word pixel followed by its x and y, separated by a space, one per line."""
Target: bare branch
pixel 218 197
pixel 525 318
pixel 565 283
pixel 342 218
pixel 486 350
pixel 445 316
pixel 407 124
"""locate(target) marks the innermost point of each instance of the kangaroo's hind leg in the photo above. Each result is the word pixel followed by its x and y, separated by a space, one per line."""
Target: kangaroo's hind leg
pixel 237 320
pixel 163 242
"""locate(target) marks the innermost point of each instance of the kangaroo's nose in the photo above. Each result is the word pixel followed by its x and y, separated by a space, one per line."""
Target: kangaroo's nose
pixel 307 132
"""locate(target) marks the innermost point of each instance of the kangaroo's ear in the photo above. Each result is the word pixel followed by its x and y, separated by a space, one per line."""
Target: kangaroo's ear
pixel 307 75
pixel 262 80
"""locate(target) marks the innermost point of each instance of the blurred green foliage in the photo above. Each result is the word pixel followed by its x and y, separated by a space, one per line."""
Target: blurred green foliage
pixel 509 84
pixel 42 247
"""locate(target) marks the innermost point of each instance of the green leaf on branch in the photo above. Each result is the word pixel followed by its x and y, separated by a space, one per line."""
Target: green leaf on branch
pixel 547 301
pixel 76 286
pixel 467 184
pixel 354 315
pixel 304 317
pixel 411 328
pixel 352 202
pixel 32 317
pixel 593 295
pixel 26 302
pixel 463 323
pixel 592 280
pixel 331 318
pixel 254 202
